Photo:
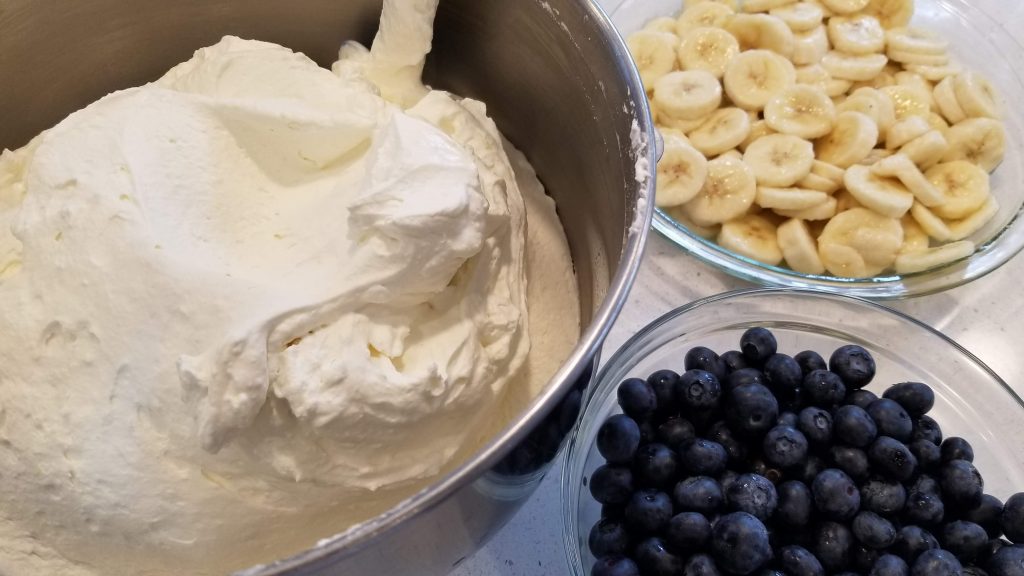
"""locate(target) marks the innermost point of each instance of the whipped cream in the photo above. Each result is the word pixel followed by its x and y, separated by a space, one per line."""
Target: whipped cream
pixel 256 301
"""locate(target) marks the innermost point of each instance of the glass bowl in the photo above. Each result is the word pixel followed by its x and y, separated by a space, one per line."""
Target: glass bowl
pixel 980 44
pixel 971 401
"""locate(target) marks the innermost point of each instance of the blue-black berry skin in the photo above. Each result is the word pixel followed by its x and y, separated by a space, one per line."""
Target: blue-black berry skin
pixel 743 377
pixel 783 375
pixel 701 358
pixel 615 566
pixel 928 455
pixel 721 433
pixel 892 458
pixel 663 382
pixel 955 448
pixel 687 533
pixel 701 565
pixel 611 484
pixel 816 425
pixel 734 360
pixel 809 469
pixel 699 494
pixel 926 428
pixel 832 545
pixel 966 540
pixel 924 508
pixel 824 389
pixel 648 512
pixel 654 558
pixel 860 398
pixel 891 419
pixel 1012 518
pixel 753 494
pixel 916 398
pixel 675 432
pixel 835 495
pixel 798 561
pixel 862 558
pixel 971 570
pixel 758 345
pixel 703 457
pixel 961 483
pixel 784 447
pixel 637 399
pixel 890 565
pixel 698 390
pixel 884 497
pixel 853 461
pixel 1007 561
pixel 618 439
pixel 911 541
pixel 809 361
pixel 987 515
pixel 739 544
pixel 936 563
pixel 752 410
pixel 787 419
pixel 656 466
pixel 795 503
pixel 853 426
pixel 873 531
pixel 854 365
pixel 608 538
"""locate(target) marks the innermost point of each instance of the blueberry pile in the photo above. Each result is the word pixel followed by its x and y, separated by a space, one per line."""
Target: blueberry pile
pixel 755 462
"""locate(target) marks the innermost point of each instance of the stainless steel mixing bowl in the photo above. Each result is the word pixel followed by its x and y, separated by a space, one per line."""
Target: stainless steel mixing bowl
pixel 560 84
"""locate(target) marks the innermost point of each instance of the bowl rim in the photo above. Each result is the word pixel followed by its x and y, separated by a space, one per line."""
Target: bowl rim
pixel 570 529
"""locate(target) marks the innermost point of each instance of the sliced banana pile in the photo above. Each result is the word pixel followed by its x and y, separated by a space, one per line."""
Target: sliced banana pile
pixel 826 135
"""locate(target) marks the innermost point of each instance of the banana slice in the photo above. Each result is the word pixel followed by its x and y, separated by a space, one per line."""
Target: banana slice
pixel 903 169
pixel 876 155
pixel 728 193
pixel 809 47
pixel 708 49
pixel 789 198
pixel 826 170
pixel 965 186
pixel 684 126
pixel 815 182
pixel 691 4
pixel 800 17
pixel 753 77
pixel 946 101
pixel 666 133
pixel 935 227
pixel 813 75
pixel 751 6
pixel 761 32
pixel 688 95
pixel 886 196
pixel 935 73
pixel 801 110
pixel 909 100
pixel 845 201
pixel 779 160
pixel 823 211
pixel 926 151
pixel 682 171
pixel 928 259
pixel 915 40
pixel 854 67
pixel 960 229
pixel 845 6
pixel 706 14
pixel 663 24
pixel 891 13
pixel 937 122
pixel 853 137
pixel 758 130
pixel 916 58
pixel 860 34
pixel 654 53
pixel 873 104
pixel 799 249
pixel 733 154
pixel 837 87
pixel 724 130
pixel 915 239
pixel 976 95
pixel 981 141
pixel 678 213
pixel 906 78
pixel 859 243
pixel 752 236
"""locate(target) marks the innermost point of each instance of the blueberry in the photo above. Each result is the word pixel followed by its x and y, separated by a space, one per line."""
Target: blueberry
pixel 721 433
pixel 783 375
pixel 994 545
pixel 927 453
pixel 706 359
pixel 809 469
pixel 655 466
pixel 873 531
pixel 615 566
pixel 924 508
pixel 883 497
pixel 758 345
pixel 703 457
pixel 795 503
pixel 892 458
pixel 688 532
pixel 862 558
pixel 925 483
pixel 832 545
pixel 648 431
pixel 613 511
pixel 611 484
pixel 835 495
pixel 966 540
pixel 954 448
pixel 926 428
pixel 784 446
pixel 974 571
pixel 852 425
pixel 618 439
pixel 753 494
pixel 743 377
pixel 663 382
pixel 798 561
pixel 654 559
pixel 809 361
pixel 637 399
pixel 987 515
pixel 823 389
pixel 699 494
pixel 752 410
pixel 648 512
pixel 854 365
pixel 860 398
pixel 889 565
pixel 770 572
pixel 891 419
pixel 916 398
pixel 1012 518
pixel 675 432
pixel 936 563
pixel 912 541
pixel 787 419
pixel 816 424
pixel 739 543
pixel 962 486
pixel 1008 561
pixel 762 468
pixel 734 360
pixel 701 565
pixel 608 538
pixel 853 461
pixel 697 391
pixel 726 479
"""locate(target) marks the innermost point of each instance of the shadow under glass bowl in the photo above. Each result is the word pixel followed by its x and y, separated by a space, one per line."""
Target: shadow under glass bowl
pixel 971 401
pixel 980 43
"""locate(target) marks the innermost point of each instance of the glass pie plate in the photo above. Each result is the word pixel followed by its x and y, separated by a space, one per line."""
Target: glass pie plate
pixel 979 43
pixel 971 401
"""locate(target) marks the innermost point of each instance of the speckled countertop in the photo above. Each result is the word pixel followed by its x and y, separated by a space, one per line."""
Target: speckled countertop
pixel 986 317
